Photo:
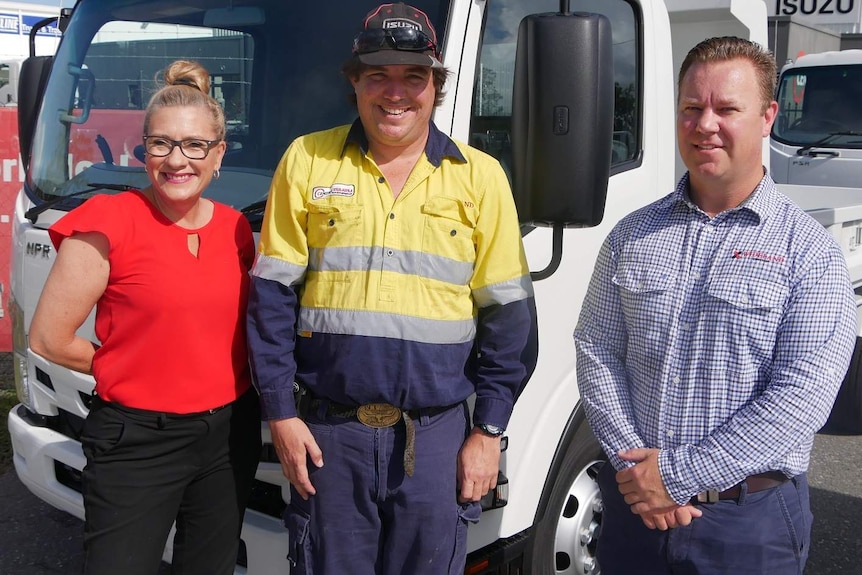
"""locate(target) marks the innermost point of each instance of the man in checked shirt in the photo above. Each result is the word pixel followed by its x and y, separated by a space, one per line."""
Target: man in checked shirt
pixel 716 331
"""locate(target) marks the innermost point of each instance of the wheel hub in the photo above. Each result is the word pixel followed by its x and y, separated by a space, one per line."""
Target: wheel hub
pixel 579 525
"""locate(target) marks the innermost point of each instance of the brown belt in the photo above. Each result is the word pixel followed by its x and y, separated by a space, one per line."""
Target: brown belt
pixel 379 415
pixel 755 483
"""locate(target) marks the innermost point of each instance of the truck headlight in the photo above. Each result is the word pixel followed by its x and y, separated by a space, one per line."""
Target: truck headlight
pixel 19 354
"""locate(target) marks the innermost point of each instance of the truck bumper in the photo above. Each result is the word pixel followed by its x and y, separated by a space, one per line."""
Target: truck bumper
pixel 36 449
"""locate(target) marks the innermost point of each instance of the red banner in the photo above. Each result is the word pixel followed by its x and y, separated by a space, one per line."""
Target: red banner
pixel 11 176
pixel 121 131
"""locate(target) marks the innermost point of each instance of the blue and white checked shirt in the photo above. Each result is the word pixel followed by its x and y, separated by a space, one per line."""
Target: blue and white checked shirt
pixel 722 342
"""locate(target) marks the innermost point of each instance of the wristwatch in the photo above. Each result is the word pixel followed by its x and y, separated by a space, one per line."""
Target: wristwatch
pixel 492 430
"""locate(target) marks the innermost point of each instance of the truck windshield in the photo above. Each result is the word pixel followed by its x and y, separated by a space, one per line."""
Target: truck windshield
pixel 820 106
pixel 274 66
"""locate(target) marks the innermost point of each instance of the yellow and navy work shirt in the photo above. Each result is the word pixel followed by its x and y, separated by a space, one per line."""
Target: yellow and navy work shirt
pixel 417 301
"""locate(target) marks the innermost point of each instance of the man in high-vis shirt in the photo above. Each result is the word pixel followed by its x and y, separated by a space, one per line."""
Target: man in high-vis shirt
pixel 390 285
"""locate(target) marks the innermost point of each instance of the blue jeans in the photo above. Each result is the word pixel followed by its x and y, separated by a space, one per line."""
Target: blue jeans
pixel 367 516
pixel 768 532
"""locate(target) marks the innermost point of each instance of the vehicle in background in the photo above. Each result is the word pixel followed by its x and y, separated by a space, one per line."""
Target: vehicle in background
pixel 817 136
pixel 815 155
pixel 575 100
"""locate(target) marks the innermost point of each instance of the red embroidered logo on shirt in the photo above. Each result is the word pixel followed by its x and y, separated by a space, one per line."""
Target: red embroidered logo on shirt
pixel 345 190
pixel 757 255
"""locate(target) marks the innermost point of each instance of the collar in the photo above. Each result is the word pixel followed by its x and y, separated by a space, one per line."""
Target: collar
pixel 438 146
pixel 760 202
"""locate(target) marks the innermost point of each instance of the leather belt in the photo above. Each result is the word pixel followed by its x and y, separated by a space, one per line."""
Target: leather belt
pixel 755 483
pixel 381 415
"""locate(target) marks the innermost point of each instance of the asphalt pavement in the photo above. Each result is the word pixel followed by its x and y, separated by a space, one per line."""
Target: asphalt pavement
pixel 36 539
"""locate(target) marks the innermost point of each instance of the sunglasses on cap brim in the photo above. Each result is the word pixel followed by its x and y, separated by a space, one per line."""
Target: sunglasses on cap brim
pixel 405 39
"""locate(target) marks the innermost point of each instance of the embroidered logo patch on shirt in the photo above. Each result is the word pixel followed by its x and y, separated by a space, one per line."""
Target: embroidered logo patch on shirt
pixel 757 255
pixel 345 190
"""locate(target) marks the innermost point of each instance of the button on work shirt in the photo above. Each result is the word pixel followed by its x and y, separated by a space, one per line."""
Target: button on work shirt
pixel 720 341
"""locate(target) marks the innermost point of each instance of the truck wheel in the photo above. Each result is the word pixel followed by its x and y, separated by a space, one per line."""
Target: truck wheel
pixel 564 539
pixel 846 416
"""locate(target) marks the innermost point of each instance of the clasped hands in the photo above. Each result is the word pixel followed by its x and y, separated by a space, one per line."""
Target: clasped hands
pixel 644 491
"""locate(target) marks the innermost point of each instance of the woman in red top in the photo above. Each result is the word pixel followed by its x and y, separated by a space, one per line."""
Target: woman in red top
pixel 173 433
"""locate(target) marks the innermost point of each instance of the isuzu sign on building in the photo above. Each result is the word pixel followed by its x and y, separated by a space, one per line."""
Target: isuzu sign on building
pixel 817 11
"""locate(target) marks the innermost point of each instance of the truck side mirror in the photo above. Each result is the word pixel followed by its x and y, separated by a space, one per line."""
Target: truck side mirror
pixel 31 90
pixel 562 118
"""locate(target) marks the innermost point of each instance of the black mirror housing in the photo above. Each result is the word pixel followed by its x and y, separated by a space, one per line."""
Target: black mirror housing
pixel 562 118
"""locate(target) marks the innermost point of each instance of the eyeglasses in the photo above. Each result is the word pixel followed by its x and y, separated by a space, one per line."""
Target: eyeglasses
pixel 406 39
pixel 193 148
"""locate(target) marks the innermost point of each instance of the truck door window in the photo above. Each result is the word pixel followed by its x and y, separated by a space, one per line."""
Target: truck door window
pixel 491 121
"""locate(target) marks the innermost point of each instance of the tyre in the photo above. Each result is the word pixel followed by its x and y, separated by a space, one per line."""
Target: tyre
pixel 846 416
pixel 565 536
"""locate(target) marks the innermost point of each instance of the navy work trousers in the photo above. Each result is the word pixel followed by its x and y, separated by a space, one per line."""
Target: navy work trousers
pixel 146 469
pixel 368 517
pixel 761 533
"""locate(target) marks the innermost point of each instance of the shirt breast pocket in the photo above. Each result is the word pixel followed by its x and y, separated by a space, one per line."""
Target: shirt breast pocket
pixel 448 233
pixel 647 296
pixel 748 308
pixel 333 226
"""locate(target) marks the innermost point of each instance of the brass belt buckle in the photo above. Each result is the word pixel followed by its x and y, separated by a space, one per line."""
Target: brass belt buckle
pixel 378 414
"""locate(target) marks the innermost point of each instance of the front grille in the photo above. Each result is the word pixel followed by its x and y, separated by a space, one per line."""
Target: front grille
pixel 67 423
pixel 266 498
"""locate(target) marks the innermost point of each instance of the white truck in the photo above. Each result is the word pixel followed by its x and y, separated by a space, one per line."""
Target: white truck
pixel 578 107
pixel 817 136
pixel 815 154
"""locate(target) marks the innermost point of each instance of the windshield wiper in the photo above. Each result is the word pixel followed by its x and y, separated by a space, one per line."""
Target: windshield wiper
pixel 803 151
pixel 254 207
pixel 33 213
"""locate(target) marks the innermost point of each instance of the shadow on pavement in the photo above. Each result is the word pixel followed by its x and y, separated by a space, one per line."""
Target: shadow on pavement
pixel 836 546
pixel 36 538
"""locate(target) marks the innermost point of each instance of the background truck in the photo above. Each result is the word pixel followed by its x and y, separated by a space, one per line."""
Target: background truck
pixel 815 154
pixel 577 106
pixel 817 136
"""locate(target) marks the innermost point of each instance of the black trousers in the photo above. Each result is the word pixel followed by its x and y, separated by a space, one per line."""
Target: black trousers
pixel 147 469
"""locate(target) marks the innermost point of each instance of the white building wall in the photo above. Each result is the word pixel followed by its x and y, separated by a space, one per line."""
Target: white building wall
pixel 16 19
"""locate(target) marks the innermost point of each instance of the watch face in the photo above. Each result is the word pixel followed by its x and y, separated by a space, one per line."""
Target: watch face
pixel 492 429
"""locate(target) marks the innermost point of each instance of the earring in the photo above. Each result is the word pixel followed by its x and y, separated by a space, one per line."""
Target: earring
pixel 216 175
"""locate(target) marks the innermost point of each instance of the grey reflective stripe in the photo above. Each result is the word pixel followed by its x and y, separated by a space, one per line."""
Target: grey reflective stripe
pixel 447 270
pixel 270 268
pixel 378 324
pixel 504 292
pixel 342 259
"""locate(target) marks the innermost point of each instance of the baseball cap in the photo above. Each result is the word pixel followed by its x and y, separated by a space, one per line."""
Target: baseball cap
pixel 397 34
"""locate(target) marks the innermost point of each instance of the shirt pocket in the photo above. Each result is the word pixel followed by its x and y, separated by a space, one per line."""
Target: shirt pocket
pixel 448 251
pixel 334 226
pixel 647 295
pixel 747 310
